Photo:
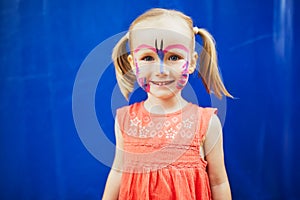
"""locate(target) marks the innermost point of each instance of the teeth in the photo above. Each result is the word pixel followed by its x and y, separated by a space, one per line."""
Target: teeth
pixel 162 82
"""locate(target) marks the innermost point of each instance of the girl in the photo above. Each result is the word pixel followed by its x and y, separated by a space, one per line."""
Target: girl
pixel 167 148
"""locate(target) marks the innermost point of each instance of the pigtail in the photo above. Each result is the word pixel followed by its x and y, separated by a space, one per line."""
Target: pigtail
pixel 209 71
pixel 124 74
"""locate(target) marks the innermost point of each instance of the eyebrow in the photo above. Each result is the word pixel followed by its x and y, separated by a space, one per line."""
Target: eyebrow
pixel 168 48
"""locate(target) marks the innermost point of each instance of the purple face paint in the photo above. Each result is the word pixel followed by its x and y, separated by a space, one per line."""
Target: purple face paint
pixel 184 76
pixel 143 81
pixel 160 52
pixel 161 55
pixel 144 84
pixel 137 71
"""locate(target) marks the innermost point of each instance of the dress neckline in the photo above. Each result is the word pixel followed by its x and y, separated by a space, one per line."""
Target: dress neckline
pixel 179 111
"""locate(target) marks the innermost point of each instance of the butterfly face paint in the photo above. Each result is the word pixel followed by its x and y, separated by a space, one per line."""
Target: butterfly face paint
pixel 172 62
pixel 184 73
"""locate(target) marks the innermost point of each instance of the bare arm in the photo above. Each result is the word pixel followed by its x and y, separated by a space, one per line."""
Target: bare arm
pixel 216 168
pixel 113 182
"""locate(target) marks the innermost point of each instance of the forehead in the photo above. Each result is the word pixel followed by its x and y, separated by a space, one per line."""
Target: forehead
pixel 172 30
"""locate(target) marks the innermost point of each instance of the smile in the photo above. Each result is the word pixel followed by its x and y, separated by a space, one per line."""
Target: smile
pixel 162 83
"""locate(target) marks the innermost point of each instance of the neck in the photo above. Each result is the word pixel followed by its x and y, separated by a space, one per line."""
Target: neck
pixel 162 106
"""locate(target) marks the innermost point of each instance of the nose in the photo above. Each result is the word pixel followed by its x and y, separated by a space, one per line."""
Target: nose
pixel 163 71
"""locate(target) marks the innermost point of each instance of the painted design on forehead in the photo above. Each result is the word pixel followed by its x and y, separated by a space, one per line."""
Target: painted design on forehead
pixel 176 46
pixel 161 55
pixel 144 46
pixel 162 52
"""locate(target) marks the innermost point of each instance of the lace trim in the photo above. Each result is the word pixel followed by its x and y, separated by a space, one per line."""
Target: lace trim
pixel 145 127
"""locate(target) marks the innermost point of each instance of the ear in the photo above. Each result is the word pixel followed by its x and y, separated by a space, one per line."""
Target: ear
pixel 130 60
pixel 193 64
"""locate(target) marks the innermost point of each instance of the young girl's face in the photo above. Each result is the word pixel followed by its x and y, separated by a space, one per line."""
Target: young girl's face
pixel 161 55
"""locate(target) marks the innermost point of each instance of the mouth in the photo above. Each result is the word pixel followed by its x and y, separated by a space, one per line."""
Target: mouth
pixel 162 83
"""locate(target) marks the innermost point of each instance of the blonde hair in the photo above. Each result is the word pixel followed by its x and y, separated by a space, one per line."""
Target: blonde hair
pixel 209 71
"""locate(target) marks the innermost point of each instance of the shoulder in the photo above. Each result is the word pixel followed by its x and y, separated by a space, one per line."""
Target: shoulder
pixel 130 108
pixel 126 112
pixel 206 118
pixel 203 109
pixel 213 134
pixel 205 112
pixel 214 123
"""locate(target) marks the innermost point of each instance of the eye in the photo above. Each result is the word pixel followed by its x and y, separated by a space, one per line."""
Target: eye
pixel 148 58
pixel 174 58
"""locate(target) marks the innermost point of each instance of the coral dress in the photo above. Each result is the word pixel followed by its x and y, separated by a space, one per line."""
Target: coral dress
pixel 161 157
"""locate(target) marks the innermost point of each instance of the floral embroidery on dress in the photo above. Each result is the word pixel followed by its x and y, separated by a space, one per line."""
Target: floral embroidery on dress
pixel 145 126
pixel 164 145
pixel 135 121
pixel 187 123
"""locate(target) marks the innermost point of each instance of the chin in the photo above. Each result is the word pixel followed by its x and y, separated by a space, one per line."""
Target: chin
pixel 165 94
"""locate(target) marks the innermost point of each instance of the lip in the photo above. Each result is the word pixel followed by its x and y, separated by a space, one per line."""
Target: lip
pixel 162 83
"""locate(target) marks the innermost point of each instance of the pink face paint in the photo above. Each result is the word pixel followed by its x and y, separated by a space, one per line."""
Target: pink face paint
pixel 144 46
pixel 143 83
pixel 185 67
pixel 184 76
pixel 168 48
pixel 160 52
pixel 176 46
pixel 137 71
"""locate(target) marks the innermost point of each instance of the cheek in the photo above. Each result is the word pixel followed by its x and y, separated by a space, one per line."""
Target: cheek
pixel 137 69
pixel 143 83
pixel 182 81
pixel 141 79
pixel 184 77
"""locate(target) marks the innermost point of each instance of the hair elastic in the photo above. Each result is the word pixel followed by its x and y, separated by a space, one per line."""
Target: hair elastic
pixel 196 30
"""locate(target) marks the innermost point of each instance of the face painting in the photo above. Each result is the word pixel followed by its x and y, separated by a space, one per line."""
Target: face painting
pixel 153 60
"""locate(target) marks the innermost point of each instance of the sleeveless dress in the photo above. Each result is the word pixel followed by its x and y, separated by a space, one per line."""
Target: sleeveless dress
pixel 161 158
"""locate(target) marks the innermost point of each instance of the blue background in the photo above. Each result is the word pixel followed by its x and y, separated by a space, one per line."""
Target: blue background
pixel 43 44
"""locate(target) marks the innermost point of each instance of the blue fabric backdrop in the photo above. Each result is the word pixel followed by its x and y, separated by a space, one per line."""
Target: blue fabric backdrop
pixel 43 44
